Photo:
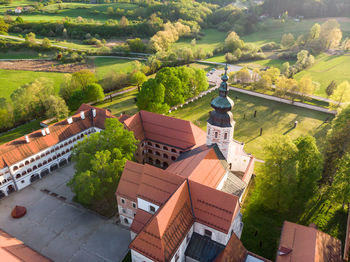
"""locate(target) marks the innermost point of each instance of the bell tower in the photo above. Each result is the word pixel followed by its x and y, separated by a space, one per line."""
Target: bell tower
pixel 220 125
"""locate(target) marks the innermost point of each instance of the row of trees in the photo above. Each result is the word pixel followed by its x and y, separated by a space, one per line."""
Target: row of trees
pixel 171 86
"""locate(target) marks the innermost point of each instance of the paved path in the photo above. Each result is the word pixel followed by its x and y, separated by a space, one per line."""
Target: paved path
pixel 285 101
pixel 60 230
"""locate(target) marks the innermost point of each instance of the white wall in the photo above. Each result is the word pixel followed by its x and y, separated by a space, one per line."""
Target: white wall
pixel 144 205
pixel 217 236
pixel 137 257
pixel 183 246
pixel 222 182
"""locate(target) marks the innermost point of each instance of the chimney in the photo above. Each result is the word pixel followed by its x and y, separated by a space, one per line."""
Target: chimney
pixel 47 130
pixel 82 115
pixel 70 120
pixel 94 112
pixel 43 132
pixel 27 139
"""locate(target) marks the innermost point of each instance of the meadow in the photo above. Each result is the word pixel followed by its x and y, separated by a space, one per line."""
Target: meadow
pixel 12 79
pixel 326 69
pixel 57 12
pixel 103 65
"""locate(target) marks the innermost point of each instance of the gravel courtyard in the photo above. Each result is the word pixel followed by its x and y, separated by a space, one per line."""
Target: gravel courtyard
pixel 57 228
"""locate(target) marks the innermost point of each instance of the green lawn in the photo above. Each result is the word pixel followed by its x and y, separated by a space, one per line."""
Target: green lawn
pixel 326 69
pixel 212 38
pixel 272 30
pixel 98 12
pixel 104 65
pixel 24 55
pixel 12 79
pixel 275 119
pixel 20 131
pixel 265 62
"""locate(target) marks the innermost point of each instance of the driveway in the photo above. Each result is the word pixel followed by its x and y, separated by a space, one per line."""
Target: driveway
pixel 57 228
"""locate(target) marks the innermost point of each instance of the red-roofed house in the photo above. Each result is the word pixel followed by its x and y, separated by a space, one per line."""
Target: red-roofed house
pixel 28 158
pixel 190 210
pixel 307 244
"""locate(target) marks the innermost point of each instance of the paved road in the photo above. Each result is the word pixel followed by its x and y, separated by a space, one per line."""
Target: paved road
pixel 60 230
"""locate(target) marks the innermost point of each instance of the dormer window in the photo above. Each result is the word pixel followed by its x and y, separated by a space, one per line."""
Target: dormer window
pixel 207 233
pixel 152 209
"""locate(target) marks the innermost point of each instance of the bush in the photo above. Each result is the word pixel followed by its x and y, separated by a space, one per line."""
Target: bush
pixel 271 46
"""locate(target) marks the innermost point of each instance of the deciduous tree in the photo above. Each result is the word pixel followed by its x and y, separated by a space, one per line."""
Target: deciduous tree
pixel 340 96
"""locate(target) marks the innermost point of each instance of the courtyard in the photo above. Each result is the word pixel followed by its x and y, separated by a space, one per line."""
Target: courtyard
pixel 60 229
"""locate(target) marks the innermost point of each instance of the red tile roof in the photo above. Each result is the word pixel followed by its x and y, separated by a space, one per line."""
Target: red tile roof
pixel 13 250
pixel 166 130
pixel 17 150
pixel 162 236
pixel 140 220
pixel 212 207
pixel 203 165
pixel 306 244
pixel 157 185
pixel 130 180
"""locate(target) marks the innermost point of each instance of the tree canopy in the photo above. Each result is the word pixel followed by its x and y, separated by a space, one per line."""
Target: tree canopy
pixel 100 160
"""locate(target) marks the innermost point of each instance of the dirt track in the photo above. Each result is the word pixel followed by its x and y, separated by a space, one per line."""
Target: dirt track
pixel 43 66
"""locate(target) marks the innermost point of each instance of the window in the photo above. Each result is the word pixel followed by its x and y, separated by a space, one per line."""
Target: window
pixel 18 176
pixel 157 146
pixel 225 136
pixel 165 164
pixel 152 209
pixel 123 200
pixel 126 221
pixel 173 158
pixel 208 131
pixel 150 151
pixel 124 211
pixel 32 160
pixel 15 168
pixel 149 143
pixel 26 163
pixel 165 155
pixel 52 150
pixel 173 150
pixel 157 153
pixel 216 134
pixel 133 204
pixel 22 181
pixel 207 233
pixel 157 162
pixel 47 153
pixel 165 148
pixel 37 158
pixel 42 154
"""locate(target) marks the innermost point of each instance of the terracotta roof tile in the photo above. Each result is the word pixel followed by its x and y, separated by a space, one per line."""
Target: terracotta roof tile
pixel 140 220
pixel 233 252
pixel 307 244
pixel 130 180
pixel 157 185
pixel 17 150
pixel 13 250
pixel 161 237
pixel 201 165
pixel 212 207
pixel 164 129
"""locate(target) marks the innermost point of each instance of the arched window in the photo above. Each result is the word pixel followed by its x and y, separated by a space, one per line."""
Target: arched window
pixel 29 170
pixel 157 153
pixel 35 167
pixel 225 136
pixel 26 163
pixel 150 151
pixel 208 131
pixel 157 146
pixel 24 172
pixel 149 143
pixel 157 162
pixel 165 156
pixel 15 168
pixel 173 150
pixel 126 221
pixel 165 164
pixel 165 148
pixel 47 153
pixel 59 154
pixel 18 176
pixel 40 165
pixel 21 165
pixel 54 157
pixel 52 150
pixel 173 158
pixel 61 146
pixel 82 135
pixel 32 160
pixel 45 162
pixel 216 134
pixel 65 143
pixel 150 160
pixel 42 154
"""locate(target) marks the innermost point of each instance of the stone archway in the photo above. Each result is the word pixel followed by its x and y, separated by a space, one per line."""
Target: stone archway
pixel 63 162
pixel 53 167
pixel 34 177
pixel 10 189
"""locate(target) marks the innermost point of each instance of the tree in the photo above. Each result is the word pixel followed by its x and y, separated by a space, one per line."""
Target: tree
pixel 340 96
pixel 100 159
pixel 285 69
pixel 287 40
pixel 136 45
pixel 110 10
pixel 331 87
pixel 278 178
pixel 124 22
pixel 3 27
pixel 243 75
pixel 151 97
pixel 46 44
pixel 337 144
pixel 56 107
pixel 30 39
pixel 82 78
pixel 340 189
pixel 306 87
pixel 315 31
pixel 232 42
pixel 138 79
pixel 94 92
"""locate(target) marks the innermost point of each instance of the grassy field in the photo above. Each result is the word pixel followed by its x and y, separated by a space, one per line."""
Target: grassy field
pixel 212 38
pixel 56 12
pixel 20 131
pixel 326 69
pixel 273 29
pixel 12 79
pixel 266 62
pixel 104 65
